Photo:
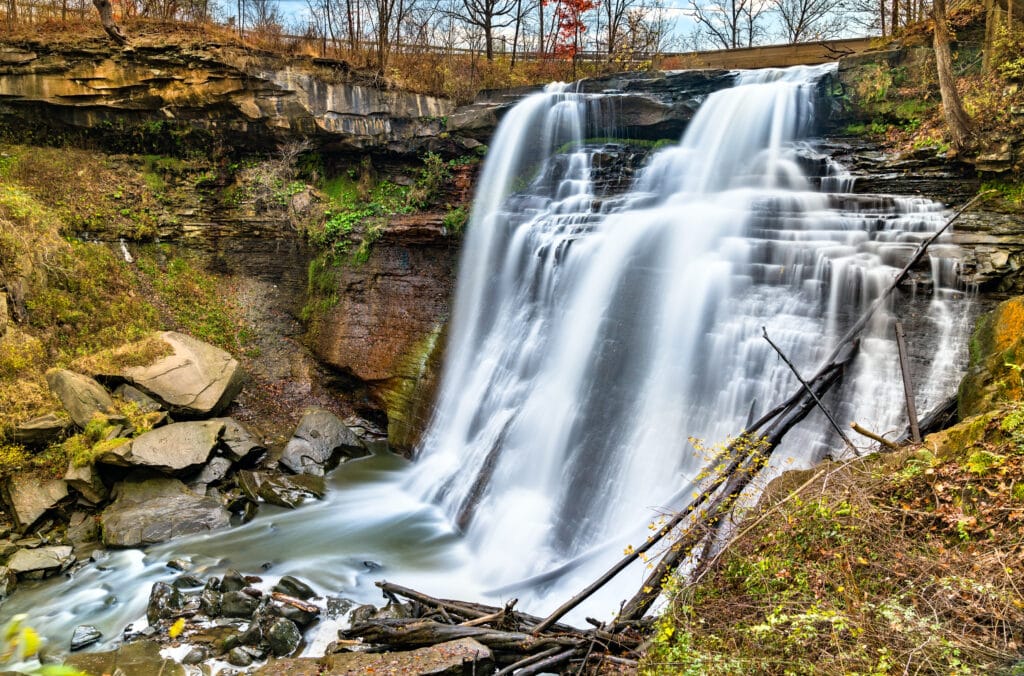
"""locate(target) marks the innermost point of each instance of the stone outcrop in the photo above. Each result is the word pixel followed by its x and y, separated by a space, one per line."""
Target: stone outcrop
pixel 81 396
pixel 28 499
pixel 446 659
pixel 172 449
pixel 997 357
pixel 319 440
pixel 41 562
pixel 196 379
pixel 156 510
pixel 244 99
pixel 41 431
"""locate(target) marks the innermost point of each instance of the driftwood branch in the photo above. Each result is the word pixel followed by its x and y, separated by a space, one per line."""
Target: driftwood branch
pixel 874 437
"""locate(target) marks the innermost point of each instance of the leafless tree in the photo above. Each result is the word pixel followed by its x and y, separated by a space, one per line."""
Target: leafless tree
pixel 807 20
pixel 730 23
pixel 489 16
pixel 615 14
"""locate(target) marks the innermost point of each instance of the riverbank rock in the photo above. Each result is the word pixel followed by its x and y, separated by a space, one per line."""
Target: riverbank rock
pixel 172 449
pixel 28 499
pixel 81 396
pixel 454 658
pixel 41 562
pixel 85 635
pixel 239 443
pixel 86 482
pixel 996 362
pixel 156 510
pixel 281 490
pixel 196 379
pixel 319 440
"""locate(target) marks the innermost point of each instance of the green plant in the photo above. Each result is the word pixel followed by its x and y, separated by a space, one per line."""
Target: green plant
pixel 455 220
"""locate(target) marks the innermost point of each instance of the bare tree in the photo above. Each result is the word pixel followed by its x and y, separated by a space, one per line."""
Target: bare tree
pixel 728 24
pixel 615 13
pixel 488 16
pixel 957 120
pixel 264 15
pixel 806 20
pixel 107 19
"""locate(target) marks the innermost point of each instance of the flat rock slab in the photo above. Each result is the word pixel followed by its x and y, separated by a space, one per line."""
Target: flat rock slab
pixel 281 490
pixel 29 499
pixel 40 432
pixel 454 658
pixel 239 442
pixel 196 379
pixel 319 440
pixel 141 658
pixel 42 560
pixel 81 396
pixel 87 482
pixel 171 449
pixel 156 510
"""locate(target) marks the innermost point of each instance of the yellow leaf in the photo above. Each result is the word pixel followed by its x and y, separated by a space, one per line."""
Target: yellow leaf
pixel 177 628
pixel 30 641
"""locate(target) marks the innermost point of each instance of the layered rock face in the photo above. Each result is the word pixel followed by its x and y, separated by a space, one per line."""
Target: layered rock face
pixel 244 99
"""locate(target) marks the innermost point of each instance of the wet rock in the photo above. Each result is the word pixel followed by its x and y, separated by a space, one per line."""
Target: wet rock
pixel 8 581
pixel 165 601
pixel 233 581
pixel 85 635
pixel 42 431
pixel 196 379
pixel 172 449
pixel 86 482
pixel 187 582
pixel 194 656
pixel 145 403
pixel 281 490
pixel 238 604
pixel 83 533
pixel 239 444
pixel 239 657
pixel 210 602
pixel 139 658
pixel 156 510
pixel 336 606
pixel 292 586
pixel 215 470
pixel 179 564
pixel 303 618
pixel 81 396
pixel 29 499
pixel 319 440
pixel 41 562
pixel 283 637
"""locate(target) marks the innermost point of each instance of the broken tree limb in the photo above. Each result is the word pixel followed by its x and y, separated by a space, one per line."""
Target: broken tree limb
pixel 106 12
pixel 875 437
pixel 530 660
pixel 810 391
pixel 908 383
pixel 408 634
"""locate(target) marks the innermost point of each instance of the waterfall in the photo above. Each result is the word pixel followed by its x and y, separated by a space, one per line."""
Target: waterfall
pixel 594 335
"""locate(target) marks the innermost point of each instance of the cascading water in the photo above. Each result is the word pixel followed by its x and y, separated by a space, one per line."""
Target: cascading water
pixel 593 334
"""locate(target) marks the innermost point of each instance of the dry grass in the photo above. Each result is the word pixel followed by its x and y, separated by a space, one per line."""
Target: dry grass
pixel 905 563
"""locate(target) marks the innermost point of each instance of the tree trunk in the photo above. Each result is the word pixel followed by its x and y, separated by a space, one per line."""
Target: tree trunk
pixel 957 120
pixel 107 18
pixel 540 43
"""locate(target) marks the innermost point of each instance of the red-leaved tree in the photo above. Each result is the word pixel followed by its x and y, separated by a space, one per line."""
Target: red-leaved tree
pixel 569 17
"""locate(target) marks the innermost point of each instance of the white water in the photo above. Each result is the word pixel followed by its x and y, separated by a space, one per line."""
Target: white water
pixel 592 335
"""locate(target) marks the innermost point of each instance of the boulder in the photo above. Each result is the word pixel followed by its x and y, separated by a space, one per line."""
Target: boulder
pixel 28 499
pixel 85 635
pixel 81 396
pixel 41 562
pixel 86 481
pixel 994 374
pixel 8 581
pixel 172 449
pixel 238 604
pixel 453 658
pixel 283 637
pixel 215 470
pixel 156 510
pixel 196 379
pixel 165 601
pixel 42 431
pixel 136 396
pixel 239 443
pixel 281 490
pixel 294 587
pixel 319 440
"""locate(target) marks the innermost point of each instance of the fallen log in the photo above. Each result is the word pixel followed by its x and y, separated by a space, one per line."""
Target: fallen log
pixel 411 634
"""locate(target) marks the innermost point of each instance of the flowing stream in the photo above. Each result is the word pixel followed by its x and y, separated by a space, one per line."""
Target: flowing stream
pixel 594 333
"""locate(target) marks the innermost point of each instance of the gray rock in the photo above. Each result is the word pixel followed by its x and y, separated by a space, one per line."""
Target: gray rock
pixel 197 379
pixel 165 601
pixel 83 533
pixel 283 637
pixel 172 449
pixel 136 396
pixel 87 482
pixel 239 657
pixel 300 617
pixel 233 581
pixel 8 581
pixel 453 658
pixel 85 635
pixel 81 396
pixel 42 431
pixel 194 656
pixel 295 587
pixel 238 604
pixel 319 440
pixel 156 510
pixel 215 470
pixel 210 602
pixel 28 499
pixel 281 490
pixel 41 562
pixel 239 443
